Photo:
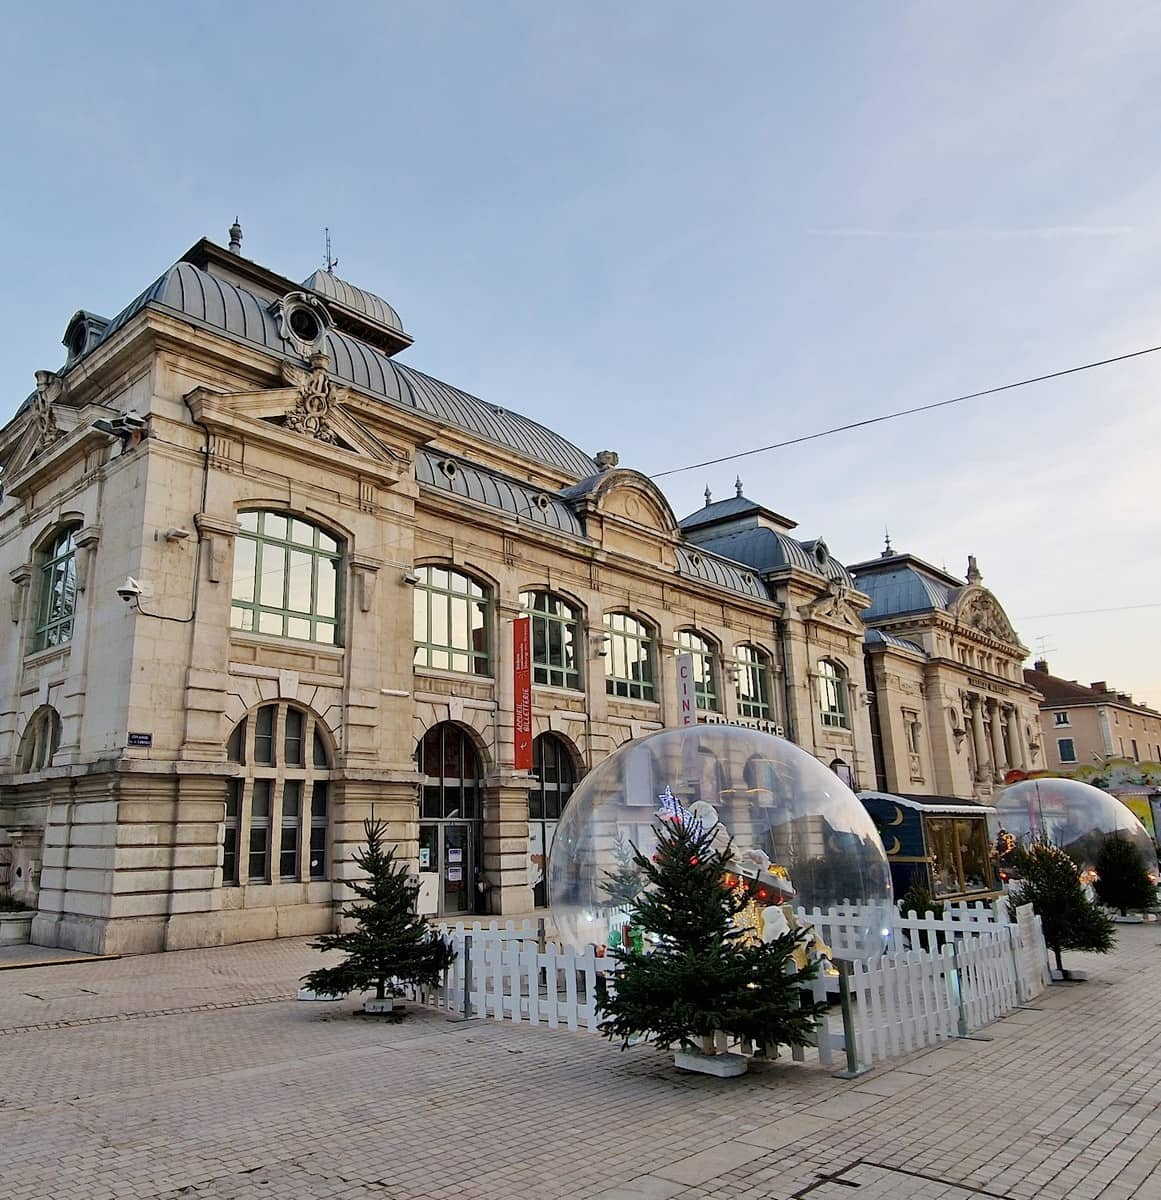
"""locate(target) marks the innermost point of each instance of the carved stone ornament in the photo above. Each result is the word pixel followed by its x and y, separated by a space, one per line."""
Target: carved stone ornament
pixel 984 615
pixel 49 390
pixel 317 396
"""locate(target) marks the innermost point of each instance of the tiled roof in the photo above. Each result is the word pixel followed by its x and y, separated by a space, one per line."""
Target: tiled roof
pixel 1067 691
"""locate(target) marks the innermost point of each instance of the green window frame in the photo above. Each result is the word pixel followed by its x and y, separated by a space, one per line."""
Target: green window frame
pixel 753 683
pixel 287 578
pixel 628 657
pixel 705 670
pixel 452 622
pixel 832 695
pixel 57 599
pixel 555 640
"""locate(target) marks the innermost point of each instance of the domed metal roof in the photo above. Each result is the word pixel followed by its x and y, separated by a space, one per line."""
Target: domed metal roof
pixel 367 303
pixel 902 583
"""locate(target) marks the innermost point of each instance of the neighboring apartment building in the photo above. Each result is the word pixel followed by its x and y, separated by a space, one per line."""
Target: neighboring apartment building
pixel 952 711
pixel 262 578
pixel 1083 726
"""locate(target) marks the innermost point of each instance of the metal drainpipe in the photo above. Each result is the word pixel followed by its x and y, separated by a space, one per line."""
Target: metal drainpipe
pixel 787 683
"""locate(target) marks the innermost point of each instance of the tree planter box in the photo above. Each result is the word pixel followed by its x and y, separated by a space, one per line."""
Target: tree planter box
pixel 724 1066
pixel 380 1008
pixel 1130 919
pixel 15 927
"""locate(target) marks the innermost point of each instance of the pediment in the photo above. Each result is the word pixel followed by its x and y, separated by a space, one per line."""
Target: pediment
pixel 634 498
pixel 978 609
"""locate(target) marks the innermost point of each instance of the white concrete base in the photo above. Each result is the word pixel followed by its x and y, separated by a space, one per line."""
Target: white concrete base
pixel 724 1066
pixel 1067 976
pixel 1130 919
pixel 15 927
pixel 377 1008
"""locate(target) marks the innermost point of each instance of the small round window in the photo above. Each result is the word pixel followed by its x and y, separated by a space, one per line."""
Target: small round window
pixel 304 324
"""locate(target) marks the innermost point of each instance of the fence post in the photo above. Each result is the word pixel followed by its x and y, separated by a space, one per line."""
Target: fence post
pixel 467 1008
pixel 850 1044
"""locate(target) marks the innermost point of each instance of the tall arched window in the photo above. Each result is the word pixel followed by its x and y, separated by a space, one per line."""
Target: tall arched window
pixel 286 578
pixel 450 830
pixel 705 668
pixel 555 640
pixel 56 603
pixel 832 695
pixel 556 779
pixel 628 657
pixel 753 683
pixel 452 615
pixel 279 807
pixel 40 740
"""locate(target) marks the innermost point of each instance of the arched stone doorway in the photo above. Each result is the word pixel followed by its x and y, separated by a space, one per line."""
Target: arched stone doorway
pixel 450 825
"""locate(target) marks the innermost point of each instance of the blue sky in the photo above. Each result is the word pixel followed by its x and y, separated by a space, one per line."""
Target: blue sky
pixel 676 233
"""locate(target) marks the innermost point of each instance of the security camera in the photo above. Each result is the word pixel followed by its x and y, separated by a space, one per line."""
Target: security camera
pixel 131 422
pixel 409 578
pixel 130 590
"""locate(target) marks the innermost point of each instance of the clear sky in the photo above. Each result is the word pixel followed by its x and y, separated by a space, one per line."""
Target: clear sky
pixel 676 231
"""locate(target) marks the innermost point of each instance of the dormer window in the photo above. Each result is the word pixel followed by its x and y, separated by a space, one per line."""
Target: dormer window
pixel 82 334
pixel 303 321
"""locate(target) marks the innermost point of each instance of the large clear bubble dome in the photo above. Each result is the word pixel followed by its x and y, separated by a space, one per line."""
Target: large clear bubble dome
pixel 799 834
pixel 1073 815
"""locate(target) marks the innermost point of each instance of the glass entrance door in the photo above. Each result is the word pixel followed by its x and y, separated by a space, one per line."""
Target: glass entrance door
pixel 447 872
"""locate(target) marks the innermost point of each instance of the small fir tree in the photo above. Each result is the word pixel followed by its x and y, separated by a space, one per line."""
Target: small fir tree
pixel 1050 882
pixel 700 972
pixel 390 945
pixel 919 900
pixel 1122 881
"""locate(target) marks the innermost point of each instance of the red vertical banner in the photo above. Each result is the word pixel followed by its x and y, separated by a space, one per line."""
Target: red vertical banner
pixel 522 692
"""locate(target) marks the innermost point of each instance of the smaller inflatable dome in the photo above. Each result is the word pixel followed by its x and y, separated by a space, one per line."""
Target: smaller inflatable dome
pixel 799 835
pixel 1073 815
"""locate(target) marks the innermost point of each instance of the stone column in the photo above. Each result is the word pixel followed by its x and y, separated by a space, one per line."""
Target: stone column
pixel 506 843
pixel 978 744
pixel 1015 758
pixel 998 761
pixel 1021 740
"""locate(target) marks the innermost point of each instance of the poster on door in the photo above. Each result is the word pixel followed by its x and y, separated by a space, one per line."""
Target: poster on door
pixel 522 692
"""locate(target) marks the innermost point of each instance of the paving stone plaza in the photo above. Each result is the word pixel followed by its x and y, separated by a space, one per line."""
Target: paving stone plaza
pixel 195 1075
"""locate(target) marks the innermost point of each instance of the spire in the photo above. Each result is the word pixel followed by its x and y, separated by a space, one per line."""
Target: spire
pixel 708 496
pixel 235 237
pixel 738 487
pixel 973 571
pixel 888 549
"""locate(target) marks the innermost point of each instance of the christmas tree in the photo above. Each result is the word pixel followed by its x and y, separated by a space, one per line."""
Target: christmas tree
pixel 1050 882
pixel 1122 881
pixel 389 945
pixel 700 971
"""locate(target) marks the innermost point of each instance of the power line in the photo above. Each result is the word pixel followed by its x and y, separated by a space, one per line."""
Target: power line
pixel 907 412
pixel 1085 612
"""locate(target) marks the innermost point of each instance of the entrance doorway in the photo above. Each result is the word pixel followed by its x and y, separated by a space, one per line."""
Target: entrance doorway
pixel 450 830
pixel 447 867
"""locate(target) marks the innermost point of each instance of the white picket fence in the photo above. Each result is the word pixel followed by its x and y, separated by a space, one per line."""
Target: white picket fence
pixel 941 978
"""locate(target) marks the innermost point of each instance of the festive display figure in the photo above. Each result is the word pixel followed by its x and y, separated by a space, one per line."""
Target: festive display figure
pixel 1050 882
pixel 1122 880
pixel 390 945
pixel 700 972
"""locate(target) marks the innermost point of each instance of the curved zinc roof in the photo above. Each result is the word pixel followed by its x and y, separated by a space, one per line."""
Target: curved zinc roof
pixel 218 304
pixel 517 499
pixel 698 563
pixel 877 637
pixel 374 307
pixel 765 550
pixel 903 589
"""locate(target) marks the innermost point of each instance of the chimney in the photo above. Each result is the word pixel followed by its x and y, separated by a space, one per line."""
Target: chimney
pixel 1099 686
pixel 1041 665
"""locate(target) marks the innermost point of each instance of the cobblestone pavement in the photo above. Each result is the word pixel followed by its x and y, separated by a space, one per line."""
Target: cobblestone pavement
pixel 194 1076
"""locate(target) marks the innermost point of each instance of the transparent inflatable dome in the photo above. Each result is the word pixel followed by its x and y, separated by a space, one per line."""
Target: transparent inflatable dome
pixel 1075 816
pixel 800 836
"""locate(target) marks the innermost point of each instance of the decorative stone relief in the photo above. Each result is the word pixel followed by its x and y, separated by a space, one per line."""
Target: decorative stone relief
pixel 86 540
pixel 317 396
pixel 49 389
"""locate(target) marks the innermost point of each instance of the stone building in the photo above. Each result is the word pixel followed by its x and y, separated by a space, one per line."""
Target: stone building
pixel 952 711
pixel 262 578
pixel 1086 726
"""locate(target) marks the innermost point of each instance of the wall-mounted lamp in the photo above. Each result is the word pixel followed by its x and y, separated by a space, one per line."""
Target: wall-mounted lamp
pixel 409 578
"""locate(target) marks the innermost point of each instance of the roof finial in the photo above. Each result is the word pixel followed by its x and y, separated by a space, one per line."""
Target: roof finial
pixel 235 237
pixel 329 263
pixel 738 487
pixel 888 549
pixel 973 571
pixel 708 496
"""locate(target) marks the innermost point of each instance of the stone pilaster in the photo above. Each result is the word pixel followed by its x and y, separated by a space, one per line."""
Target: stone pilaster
pixel 979 744
pixel 505 861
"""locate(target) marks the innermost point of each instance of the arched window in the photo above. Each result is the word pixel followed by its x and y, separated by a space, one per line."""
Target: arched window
pixel 832 695
pixel 450 830
pixel 628 657
pixel 280 805
pixel 452 615
pixel 705 669
pixel 753 683
pixel 40 740
pixel 286 578
pixel 56 603
pixel 555 640
pixel 556 779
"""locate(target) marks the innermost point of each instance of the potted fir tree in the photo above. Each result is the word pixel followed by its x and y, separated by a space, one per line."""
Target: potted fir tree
pixel 1050 882
pixel 1122 881
pixel 389 945
pixel 699 972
